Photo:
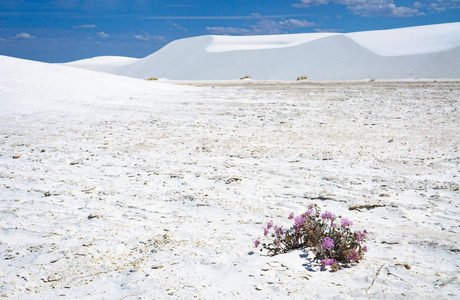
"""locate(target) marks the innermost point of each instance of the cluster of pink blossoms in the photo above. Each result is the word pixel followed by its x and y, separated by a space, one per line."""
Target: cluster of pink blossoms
pixel 327 243
pixel 345 222
pixel 328 216
pixel 332 243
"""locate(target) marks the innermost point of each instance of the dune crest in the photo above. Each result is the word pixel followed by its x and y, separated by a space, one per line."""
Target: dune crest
pixel 431 51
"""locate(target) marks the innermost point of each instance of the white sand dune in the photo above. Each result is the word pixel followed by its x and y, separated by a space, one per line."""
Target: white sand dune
pixel 261 42
pixel 417 52
pixel 411 40
pixel 30 84
pixel 107 64
pixel 118 188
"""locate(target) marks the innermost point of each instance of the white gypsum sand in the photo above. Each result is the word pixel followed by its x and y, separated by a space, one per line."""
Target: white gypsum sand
pixel 160 195
pixel 431 51
pixel 106 64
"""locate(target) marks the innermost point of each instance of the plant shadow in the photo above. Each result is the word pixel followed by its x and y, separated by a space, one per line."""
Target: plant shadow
pixel 311 264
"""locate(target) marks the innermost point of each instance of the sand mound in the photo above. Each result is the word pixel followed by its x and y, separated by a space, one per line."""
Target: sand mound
pixel 416 52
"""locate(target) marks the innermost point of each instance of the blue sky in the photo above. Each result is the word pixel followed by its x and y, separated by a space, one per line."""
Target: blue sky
pixel 67 30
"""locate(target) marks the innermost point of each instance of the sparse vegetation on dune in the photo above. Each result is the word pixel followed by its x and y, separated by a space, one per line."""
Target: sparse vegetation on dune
pixel 301 78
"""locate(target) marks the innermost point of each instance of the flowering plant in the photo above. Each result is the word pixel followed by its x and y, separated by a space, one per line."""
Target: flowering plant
pixel 332 243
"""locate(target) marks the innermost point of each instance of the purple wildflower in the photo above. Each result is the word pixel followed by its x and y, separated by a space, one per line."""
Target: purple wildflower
pixel 328 262
pixel 345 222
pixel 279 230
pixel 328 243
pixel 310 230
pixel 359 235
pixel 270 224
pixel 353 255
pixel 328 216
pixel 299 221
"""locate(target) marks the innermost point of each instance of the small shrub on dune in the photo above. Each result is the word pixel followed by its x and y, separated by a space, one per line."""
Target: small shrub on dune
pixel 332 241
pixel 152 79
pixel 245 77
pixel 301 78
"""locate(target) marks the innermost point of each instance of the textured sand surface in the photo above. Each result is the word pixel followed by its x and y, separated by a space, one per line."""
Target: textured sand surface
pixel 163 200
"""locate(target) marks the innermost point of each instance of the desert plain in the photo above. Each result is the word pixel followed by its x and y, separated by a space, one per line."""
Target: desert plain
pixel 162 198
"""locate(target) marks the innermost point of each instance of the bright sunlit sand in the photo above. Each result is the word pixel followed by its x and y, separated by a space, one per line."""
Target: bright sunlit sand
pixel 416 52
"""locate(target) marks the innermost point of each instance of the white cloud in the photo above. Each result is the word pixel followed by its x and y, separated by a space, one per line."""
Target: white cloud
pixel 141 37
pixel 24 36
pixel 369 8
pixel 85 26
pixel 266 26
pixel 328 30
pixel 309 3
pixel 263 26
pixel 19 36
pixel 442 5
pixel 216 17
pixel 380 8
pixel 147 37
pixel 228 30
pixel 354 2
pixel 177 26
pixel 293 23
pixel 436 7
pixel 103 35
